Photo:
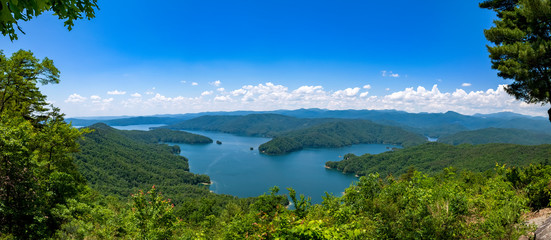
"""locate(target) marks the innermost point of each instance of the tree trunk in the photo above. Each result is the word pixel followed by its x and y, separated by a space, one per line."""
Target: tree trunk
pixel 549 114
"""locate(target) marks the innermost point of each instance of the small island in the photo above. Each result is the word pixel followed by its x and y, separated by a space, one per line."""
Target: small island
pixel 218 142
pixel 252 148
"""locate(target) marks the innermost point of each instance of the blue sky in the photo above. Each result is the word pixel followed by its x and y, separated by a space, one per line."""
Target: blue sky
pixel 144 57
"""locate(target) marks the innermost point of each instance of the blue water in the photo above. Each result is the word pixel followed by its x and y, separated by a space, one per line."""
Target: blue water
pixel 236 170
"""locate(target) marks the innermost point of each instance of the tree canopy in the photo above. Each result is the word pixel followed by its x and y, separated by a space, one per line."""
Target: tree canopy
pixel 522 47
pixel 37 174
pixel 13 11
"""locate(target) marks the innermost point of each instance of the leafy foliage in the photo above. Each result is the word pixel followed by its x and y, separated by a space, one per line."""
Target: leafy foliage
pixel 37 173
pixel 449 205
pixel 11 12
pixel 340 133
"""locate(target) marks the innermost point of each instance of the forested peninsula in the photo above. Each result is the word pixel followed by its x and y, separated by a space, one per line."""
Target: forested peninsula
pixel 433 157
pixel 339 133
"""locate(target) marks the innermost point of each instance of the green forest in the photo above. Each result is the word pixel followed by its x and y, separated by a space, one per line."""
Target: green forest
pixel 117 162
pixel 431 158
pixel 59 182
pixel 261 125
pixel 97 182
pixel 161 135
pixel 339 133
pixel 497 135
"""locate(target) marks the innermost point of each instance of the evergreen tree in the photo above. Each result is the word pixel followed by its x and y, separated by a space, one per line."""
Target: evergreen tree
pixel 36 169
pixel 522 47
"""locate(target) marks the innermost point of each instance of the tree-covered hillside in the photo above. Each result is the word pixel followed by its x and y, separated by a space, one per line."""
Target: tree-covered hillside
pixel 433 157
pixel 497 135
pixel 114 163
pixel 339 133
pixel 265 125
pixel 166 135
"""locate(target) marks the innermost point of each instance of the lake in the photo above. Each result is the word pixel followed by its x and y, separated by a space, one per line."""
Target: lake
pixel 236 170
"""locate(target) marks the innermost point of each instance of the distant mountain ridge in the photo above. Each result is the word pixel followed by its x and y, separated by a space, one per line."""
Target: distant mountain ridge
pixel 430 124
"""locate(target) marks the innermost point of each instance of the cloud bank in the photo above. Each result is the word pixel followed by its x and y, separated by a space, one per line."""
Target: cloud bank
pixel 269 96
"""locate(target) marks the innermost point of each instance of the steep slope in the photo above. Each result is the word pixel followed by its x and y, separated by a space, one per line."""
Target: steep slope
pixel 115 164
pixel 339 133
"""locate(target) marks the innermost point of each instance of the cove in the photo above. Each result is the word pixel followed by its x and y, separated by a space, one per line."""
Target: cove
pixel 236 170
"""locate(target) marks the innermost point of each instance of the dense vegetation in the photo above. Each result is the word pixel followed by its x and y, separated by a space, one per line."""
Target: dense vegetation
pixel 265 125
pixel 449 205
pixel 497 135
pixel 166 135
pixel 43 194
pixel 339 133
pixel 433 157
pixel 37 174
pixel 114 163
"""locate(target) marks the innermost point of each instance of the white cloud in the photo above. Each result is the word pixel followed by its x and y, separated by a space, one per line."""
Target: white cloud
pixel 367 86
pixel 220 89
pixel 116 92
pixel 216 83
pixel 466 85
pixel 385 73
pixel 194 84
pixel 136 95
pixel 269 96
pixel 183 81
pixel 75 98
pixel 349 92
pixel 387 89
pixel 222 98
